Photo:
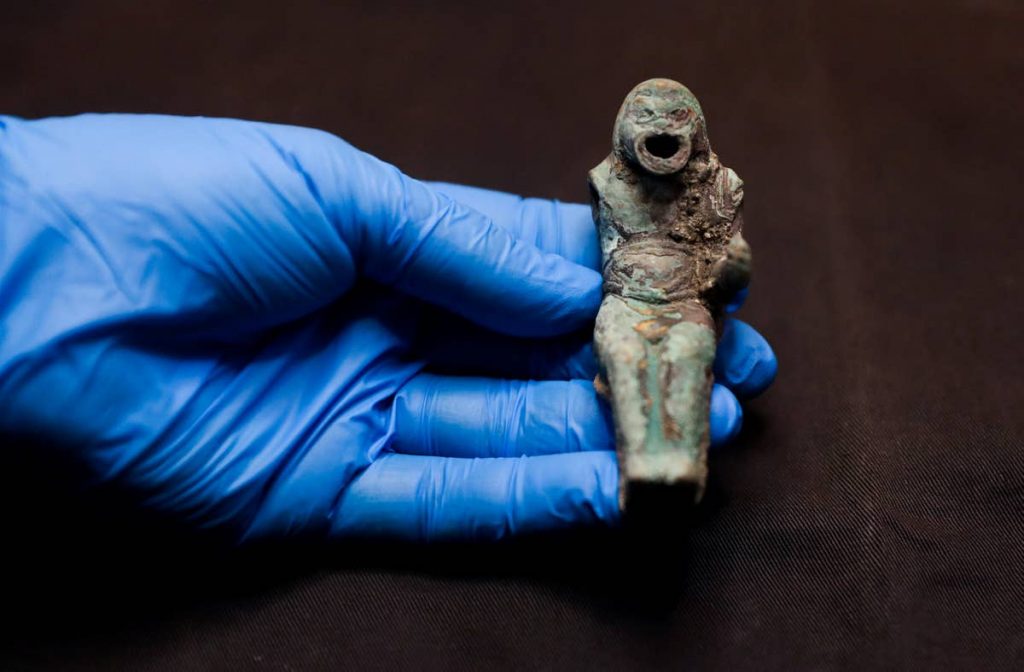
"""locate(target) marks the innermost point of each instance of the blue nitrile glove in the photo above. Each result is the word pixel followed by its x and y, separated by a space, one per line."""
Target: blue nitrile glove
pixel 238 323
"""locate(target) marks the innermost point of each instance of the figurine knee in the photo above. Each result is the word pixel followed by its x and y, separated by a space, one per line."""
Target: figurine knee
pixel 622 357
pixel 690 351
pixel 615 339
pixel 690 342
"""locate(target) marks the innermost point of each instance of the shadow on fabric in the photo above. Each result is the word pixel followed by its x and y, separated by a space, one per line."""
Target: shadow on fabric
pixel 84 567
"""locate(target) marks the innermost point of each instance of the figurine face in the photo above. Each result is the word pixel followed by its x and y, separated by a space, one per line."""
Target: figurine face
pixel 658 126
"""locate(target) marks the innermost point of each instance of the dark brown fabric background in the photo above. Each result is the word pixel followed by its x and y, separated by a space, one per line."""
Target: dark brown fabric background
pixel 872 513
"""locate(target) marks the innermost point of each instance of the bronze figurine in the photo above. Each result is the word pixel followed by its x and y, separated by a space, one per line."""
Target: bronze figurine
pixel 669 219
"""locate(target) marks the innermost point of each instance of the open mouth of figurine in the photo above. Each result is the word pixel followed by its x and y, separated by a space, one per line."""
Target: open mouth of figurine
pixel 662 146
pixel 662 153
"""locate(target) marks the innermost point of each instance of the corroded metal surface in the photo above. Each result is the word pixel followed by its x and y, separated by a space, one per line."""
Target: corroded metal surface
pixel 669 220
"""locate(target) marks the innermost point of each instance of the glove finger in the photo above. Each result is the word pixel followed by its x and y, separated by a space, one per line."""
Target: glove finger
pixel 566 229
pixel 482 417
pixel 744 362
pixel 424 498
pixel 726 416
pixel 485 417
pixel 408 235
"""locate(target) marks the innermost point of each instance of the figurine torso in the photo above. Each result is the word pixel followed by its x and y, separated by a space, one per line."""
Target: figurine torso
pixel 663 240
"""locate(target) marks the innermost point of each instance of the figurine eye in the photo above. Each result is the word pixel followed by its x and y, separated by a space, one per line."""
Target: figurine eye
pixel 642 111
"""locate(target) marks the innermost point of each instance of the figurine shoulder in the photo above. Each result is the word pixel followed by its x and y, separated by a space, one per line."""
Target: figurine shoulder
pixel 732 185
pixel 728 193
pixel 606 190
pixel 599 177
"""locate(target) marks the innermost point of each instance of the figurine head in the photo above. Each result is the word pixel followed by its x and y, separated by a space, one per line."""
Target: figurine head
pixel 660 127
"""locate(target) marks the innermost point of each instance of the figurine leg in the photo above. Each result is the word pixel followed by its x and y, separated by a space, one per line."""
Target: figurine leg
pixel 622 356
pixel 686 354
pixel 658 371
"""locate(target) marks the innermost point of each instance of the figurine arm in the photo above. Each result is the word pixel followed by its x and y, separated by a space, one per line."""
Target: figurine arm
pixel 735 273
pixel 731 275
pixel 599 186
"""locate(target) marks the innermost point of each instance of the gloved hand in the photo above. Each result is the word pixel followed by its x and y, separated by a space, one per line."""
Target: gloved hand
pixel 256 327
